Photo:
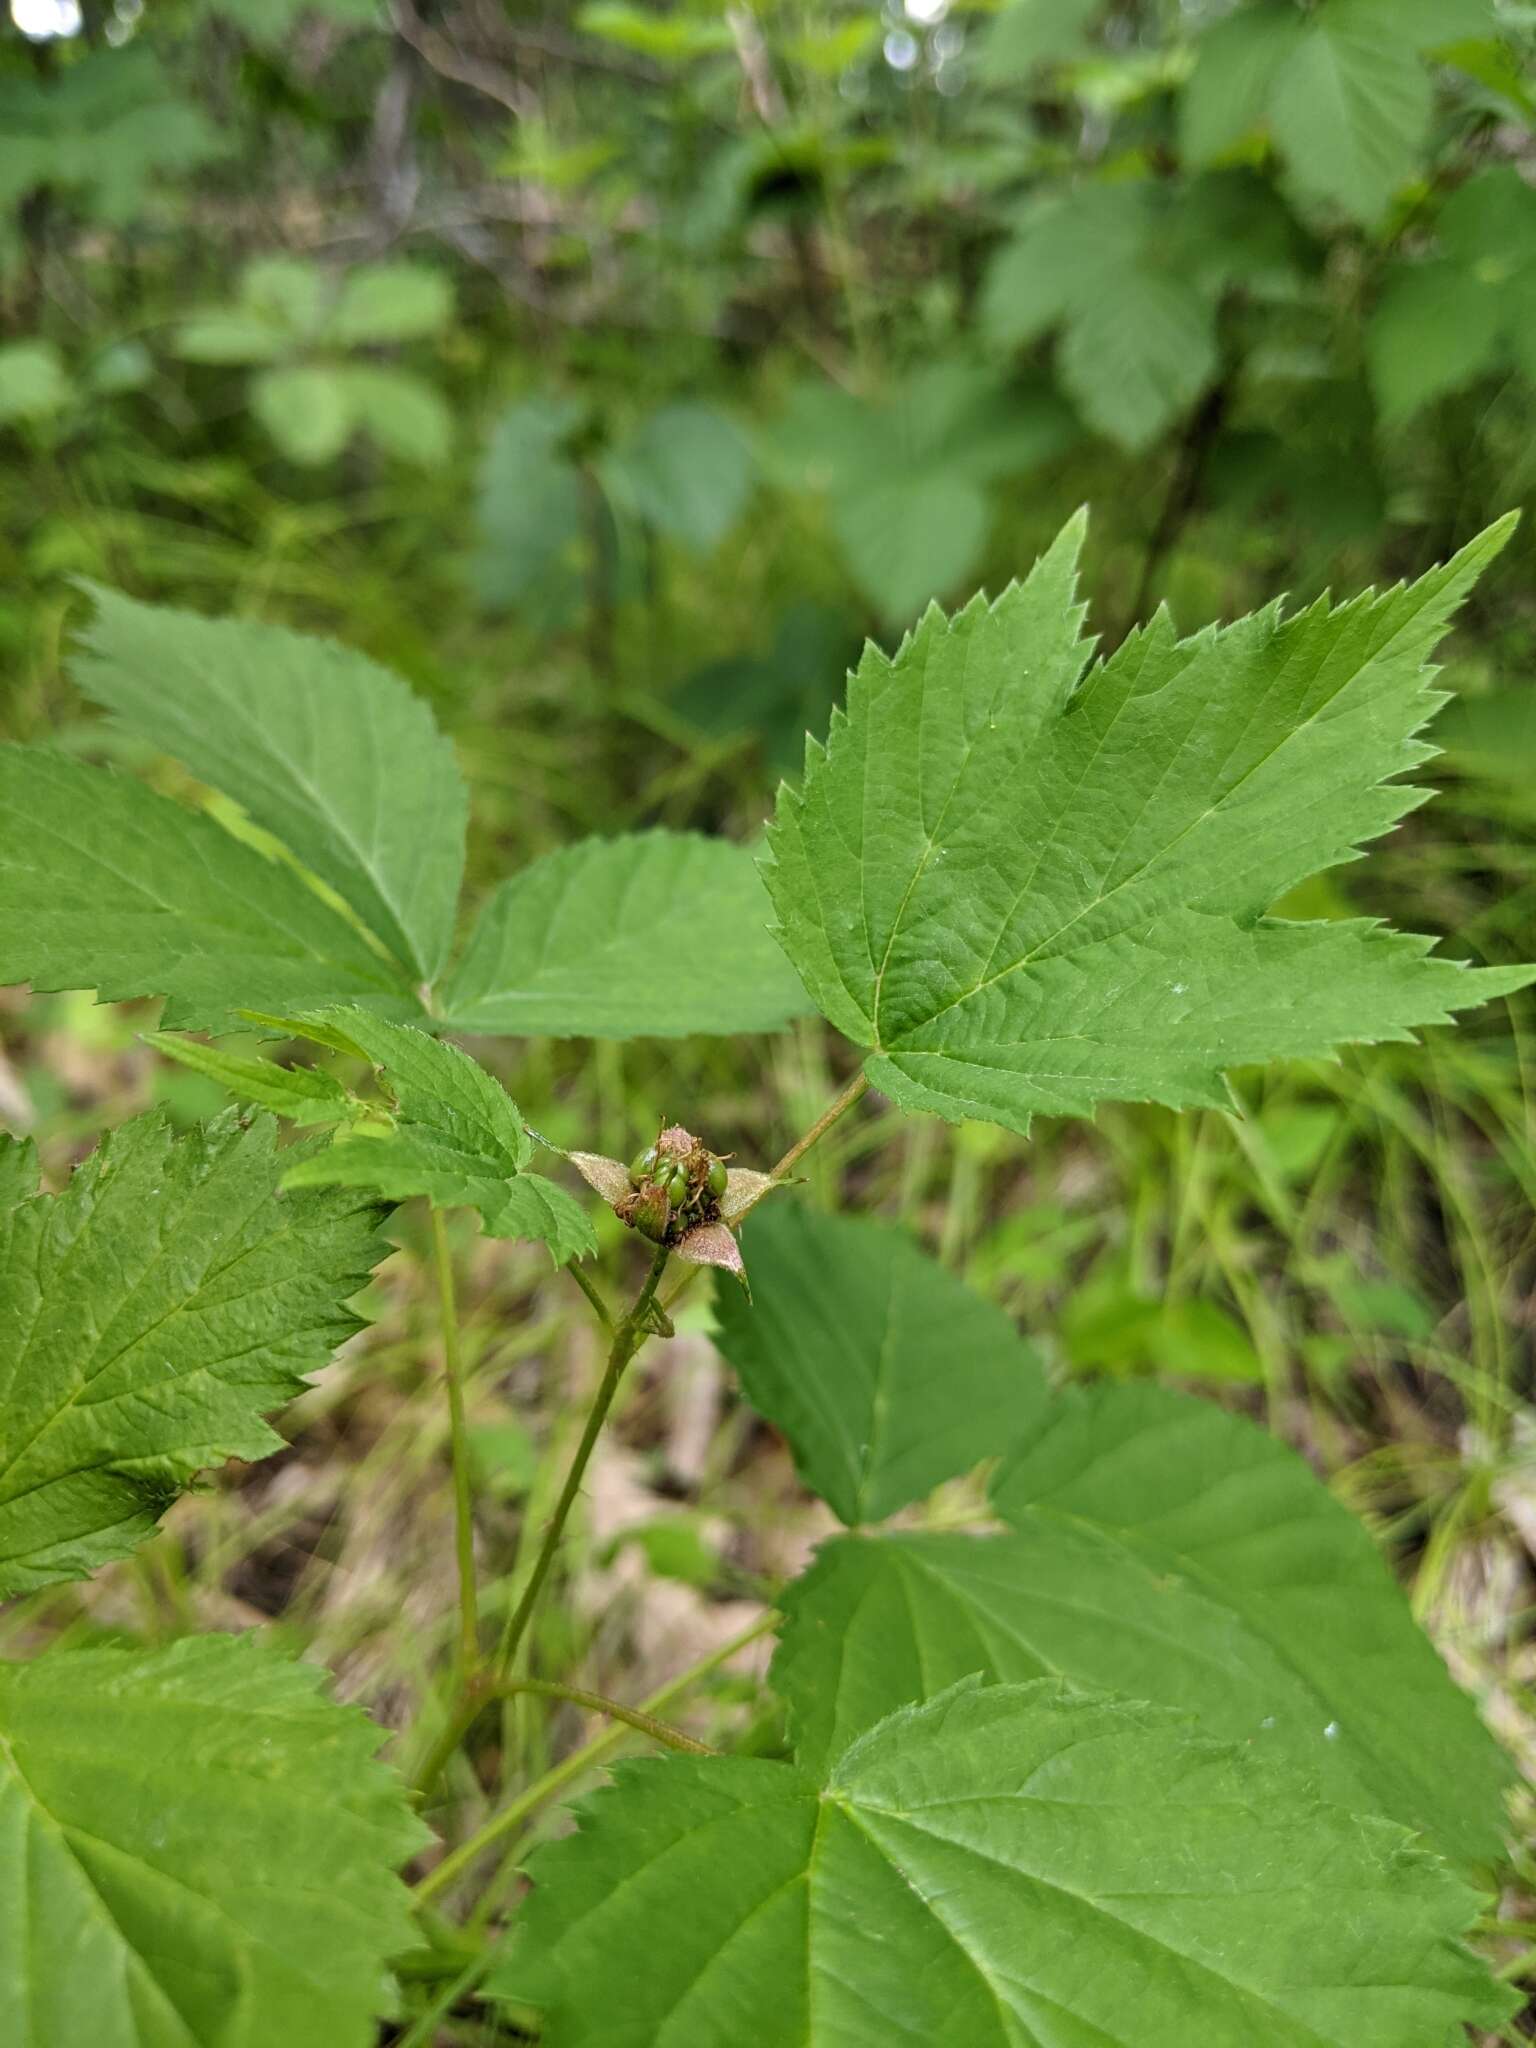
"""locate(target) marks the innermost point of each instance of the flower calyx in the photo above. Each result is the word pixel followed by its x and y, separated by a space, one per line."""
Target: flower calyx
pixel 678 1193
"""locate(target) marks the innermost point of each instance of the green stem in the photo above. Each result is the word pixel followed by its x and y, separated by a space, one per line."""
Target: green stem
pixel 627 1339
pixel 856 1089
pixel 600 1307
pixel 578 1763
pixel 463 1502
pixel 596 1703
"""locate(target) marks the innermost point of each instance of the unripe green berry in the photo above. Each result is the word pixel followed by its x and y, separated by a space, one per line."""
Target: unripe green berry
pixel 677 1188
pixel 718 1178
pixel 642 1165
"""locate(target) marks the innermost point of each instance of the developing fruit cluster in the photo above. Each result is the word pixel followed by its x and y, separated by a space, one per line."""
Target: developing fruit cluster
pixel 675 1185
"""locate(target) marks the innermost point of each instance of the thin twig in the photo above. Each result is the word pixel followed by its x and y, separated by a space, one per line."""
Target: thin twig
pixel 600 1307
pixel 627 1339
pixel 439 54
pixel 463 1500
pixel 578 1763
pixel 596 1703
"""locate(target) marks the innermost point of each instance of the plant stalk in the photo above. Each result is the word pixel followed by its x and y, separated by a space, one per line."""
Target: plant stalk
pixel 627 1339
pixel 578 1763
pixel 463 1499
pixel 597 1703
pixel 480 1688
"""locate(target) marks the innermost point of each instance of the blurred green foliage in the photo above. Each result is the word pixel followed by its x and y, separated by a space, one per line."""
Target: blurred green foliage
pixel 611 370
pixel 815 302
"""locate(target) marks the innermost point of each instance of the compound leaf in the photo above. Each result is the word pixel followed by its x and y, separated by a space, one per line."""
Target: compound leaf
pixel 1025 889
pixel 103 129
pixel 886 1375
pixel 150 1316
pixel 104 884
pixel 1167 1550
pixel 333 754
pixel 195 1846
pixel 656 935
pixel 1004 1865
pixel 458 1137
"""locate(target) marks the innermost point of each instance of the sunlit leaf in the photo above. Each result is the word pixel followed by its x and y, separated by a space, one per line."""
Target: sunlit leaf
pixel 154 1313
pixel 1163 1549
pixel 1009 1865
pixel 458 1137
pixel 886 1375
pixel 658 935
pixel 333 754
pixel 106 885
pixel 197 1846
pixel 1027 885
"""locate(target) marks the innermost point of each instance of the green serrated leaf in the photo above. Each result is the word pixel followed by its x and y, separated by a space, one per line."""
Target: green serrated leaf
pixel 1026 889
pixel 199 1847
pixel 322 747
pixel 459 1140
pixel 104 884
pixel 152 1314
pixel 1170 1551
pixel 1008 1865
pixel 20 1177
pixel 886 1375
pixel 305 1095
pixel 656 935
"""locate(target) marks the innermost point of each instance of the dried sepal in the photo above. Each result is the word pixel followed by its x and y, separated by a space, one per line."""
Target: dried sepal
pixel 713 1244
pixel 678 1193
pixel 608 1176
pixel 745 1187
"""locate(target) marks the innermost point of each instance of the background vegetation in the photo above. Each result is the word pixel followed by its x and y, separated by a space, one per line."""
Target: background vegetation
pixel 611 372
